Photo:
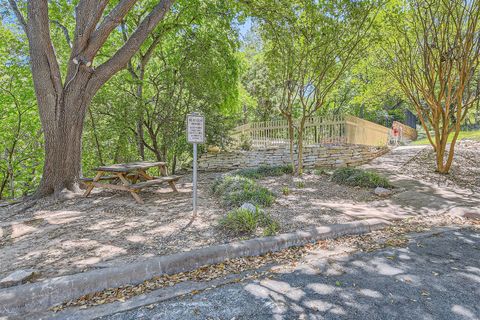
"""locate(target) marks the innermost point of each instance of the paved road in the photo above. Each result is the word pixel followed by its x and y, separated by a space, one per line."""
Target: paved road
pixel 436 277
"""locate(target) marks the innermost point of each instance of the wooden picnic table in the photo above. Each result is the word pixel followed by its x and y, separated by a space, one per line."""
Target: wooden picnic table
pixel 131 177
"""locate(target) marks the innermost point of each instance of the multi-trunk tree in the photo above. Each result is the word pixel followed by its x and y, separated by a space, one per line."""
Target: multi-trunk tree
pixel 309 45
pixel 64 94
pixel 434 54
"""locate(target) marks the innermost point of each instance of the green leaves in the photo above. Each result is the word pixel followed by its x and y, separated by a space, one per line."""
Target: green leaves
pixel 20 137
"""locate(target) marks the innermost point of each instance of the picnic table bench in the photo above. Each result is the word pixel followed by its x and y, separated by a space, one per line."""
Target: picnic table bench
pixel 130 177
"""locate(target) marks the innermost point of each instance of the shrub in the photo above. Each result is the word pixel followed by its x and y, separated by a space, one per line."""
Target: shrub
pixel 341 175
pixel 300 184
pixel 285 191
pixel 240 221
pixel 265 171
pixel 320 171
pixel 243 221
pixel 272 228
pixel 360 178
pixel 236 190
pixel 245 142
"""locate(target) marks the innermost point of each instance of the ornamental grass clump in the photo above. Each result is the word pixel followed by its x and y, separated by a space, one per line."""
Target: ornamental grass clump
pixel 360 178
pixel 243 221
pixel 234 190
pixel 265 171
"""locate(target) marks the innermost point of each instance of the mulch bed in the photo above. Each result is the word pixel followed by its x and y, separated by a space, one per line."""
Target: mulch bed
pixel 108 228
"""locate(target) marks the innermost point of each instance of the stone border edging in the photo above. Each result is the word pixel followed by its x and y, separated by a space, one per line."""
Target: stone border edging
pixel 32 297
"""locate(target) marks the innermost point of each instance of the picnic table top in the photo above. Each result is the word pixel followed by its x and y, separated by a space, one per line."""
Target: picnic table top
pixel 132 166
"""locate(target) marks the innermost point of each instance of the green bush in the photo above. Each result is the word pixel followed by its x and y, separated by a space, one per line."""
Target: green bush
pixel 272 228
pixel 243 221
pixel 343 174
pixel 245 142
pixel 240 221
pixel 265 171
pixel 300 184
pixel 285 191
pixel 360 178
pixel 235 190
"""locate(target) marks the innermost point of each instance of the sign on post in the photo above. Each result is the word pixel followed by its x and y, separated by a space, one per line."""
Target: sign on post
pixel 195 135
pixel 195 128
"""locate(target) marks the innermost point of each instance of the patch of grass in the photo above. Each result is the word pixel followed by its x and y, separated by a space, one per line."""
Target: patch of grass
pixel 240 221
pixel 272 228
pixel 265 171
pixel 360 178
pixel 300 184
pixel 243 221
pixel 463 135
pixel 319 172
pixel 235 190
pixel 285 191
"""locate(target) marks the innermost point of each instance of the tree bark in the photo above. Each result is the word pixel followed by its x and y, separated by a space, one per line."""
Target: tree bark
pixel 140 106
pixel 291 136
pixel 300 146
pixel 63 148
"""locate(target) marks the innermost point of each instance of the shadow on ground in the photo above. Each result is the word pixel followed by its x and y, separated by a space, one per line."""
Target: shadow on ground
pixel 436 277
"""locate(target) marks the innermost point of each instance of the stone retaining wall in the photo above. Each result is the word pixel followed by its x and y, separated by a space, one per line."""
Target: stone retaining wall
pixel 314 156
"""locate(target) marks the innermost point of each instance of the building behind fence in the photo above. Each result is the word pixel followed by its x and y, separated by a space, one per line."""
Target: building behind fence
pixel 318 130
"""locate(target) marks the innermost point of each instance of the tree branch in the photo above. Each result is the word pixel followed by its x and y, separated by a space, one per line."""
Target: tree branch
pixel 88 13
pixel 45 69
pixel 18 15
pixel 120 59
pixel 129 64
pixel 111 21
pixel 65 31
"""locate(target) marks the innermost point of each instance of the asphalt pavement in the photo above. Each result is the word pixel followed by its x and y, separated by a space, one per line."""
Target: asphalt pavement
pixel 437 276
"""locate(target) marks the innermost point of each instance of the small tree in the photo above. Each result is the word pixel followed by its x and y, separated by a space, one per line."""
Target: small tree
pixel 434 57
pixel 309 47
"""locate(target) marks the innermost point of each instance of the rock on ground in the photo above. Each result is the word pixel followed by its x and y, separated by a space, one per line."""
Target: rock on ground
pixel 248 206
pixel 382 192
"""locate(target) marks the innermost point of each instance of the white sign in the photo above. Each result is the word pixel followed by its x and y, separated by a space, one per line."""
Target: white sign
pixel 195 128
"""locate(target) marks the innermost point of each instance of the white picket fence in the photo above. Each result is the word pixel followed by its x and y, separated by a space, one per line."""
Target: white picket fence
pixel 317 131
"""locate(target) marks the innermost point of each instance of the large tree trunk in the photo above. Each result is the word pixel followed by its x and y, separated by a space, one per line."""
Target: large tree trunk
pixel 63 146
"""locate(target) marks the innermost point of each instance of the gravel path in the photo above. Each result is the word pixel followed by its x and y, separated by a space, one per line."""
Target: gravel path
pixel 59 238
pixel 418 163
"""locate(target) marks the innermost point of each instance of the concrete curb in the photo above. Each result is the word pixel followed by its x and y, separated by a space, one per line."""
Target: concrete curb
pixel 28 298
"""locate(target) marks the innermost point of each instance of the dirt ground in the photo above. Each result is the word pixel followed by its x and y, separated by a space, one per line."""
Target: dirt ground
pixel 464 173
pixel 107 228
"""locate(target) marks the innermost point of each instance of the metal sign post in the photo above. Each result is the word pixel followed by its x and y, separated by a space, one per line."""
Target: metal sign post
pixel 195 135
